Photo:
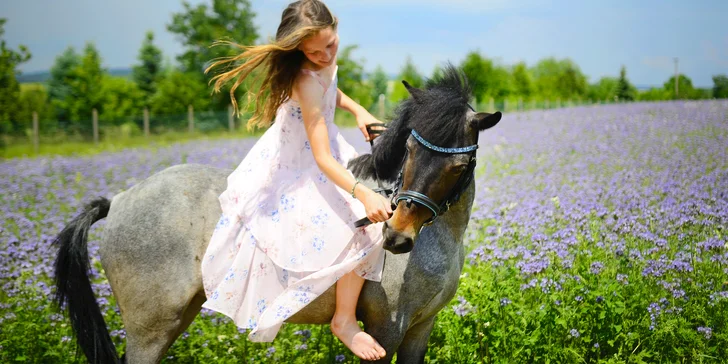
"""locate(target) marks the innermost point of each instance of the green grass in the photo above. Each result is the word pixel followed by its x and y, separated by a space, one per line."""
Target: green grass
pixel 16 148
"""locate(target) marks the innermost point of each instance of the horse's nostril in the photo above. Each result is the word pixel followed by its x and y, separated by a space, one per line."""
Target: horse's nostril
pixel 408 241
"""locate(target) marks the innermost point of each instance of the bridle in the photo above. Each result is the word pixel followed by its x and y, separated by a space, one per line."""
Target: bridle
pixel 410 196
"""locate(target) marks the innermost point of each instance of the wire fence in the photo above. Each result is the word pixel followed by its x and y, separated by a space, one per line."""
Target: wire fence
pixel 199 123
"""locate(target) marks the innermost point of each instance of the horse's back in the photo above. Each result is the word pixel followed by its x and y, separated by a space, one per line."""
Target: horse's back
pixel 160 227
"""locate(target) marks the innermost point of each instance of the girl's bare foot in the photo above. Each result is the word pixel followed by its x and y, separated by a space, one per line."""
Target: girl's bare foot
pixel 359 342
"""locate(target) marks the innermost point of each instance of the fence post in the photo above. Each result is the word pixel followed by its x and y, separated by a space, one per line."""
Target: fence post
pixel 95 118
pixel 558 103
pixel 146 122
pixel 491 105
pixel 190 118
pixel 505 105
pixel 35 132
pixel 382 113
pixel 520 103
pixel 231 121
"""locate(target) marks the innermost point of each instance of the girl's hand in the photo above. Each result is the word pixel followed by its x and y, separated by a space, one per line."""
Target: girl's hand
pixel 378 207
pixel 364 119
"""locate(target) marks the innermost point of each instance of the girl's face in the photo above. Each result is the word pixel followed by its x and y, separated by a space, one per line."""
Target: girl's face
pixel 321 48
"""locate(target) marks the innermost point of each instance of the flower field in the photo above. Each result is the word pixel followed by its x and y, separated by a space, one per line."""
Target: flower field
pixel 598 235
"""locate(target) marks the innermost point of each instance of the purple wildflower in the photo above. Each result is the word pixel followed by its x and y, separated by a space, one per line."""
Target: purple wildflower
pixel 706 331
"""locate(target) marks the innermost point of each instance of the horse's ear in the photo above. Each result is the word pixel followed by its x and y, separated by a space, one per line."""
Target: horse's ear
pixel 484 120
pixel 414 91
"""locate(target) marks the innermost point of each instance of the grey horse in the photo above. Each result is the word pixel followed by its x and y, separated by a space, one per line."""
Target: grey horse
pixel 158 230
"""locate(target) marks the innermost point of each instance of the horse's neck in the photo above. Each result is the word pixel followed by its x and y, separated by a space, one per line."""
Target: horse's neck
pixel 458 216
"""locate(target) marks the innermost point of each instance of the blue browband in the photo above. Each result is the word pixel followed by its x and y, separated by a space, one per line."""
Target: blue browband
pixel 441 149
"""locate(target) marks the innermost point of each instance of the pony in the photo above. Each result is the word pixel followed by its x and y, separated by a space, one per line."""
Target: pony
pixel 158 230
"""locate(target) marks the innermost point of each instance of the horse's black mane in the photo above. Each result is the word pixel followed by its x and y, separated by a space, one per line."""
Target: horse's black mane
pixel 436 111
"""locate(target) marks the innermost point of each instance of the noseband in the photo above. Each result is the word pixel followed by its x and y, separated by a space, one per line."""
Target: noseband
pixel 410 196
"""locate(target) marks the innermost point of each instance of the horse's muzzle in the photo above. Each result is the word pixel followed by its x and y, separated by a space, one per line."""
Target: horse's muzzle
pixel 396 242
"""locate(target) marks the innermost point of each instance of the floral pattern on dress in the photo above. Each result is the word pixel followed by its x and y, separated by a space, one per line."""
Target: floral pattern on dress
pixel 286 234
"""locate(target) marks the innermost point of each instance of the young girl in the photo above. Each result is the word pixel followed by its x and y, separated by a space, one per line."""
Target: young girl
pixel 286 233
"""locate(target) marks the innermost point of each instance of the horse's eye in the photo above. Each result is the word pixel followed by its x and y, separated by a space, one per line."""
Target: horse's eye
pixel 459 168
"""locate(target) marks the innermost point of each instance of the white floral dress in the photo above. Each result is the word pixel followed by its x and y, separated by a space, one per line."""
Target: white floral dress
pixel 286 233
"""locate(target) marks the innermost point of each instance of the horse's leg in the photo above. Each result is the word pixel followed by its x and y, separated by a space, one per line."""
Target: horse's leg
pixel 154 326
pixel 414 345
pixel 389 337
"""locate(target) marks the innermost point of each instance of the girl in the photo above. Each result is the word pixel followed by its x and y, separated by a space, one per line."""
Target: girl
pixel 286 233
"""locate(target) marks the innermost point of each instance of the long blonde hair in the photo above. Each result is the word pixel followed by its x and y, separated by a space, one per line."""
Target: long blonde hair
pixel 281 60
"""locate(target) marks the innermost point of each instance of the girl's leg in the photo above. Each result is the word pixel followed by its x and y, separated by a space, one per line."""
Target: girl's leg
pixel 344 324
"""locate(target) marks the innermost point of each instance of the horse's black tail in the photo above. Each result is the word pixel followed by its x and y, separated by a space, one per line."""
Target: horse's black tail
pixel 73 286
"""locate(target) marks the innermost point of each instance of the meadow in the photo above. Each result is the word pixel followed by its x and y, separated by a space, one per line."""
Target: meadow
pixel 598 235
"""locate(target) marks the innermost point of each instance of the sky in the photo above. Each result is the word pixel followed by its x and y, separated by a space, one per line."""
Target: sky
pixel 600 36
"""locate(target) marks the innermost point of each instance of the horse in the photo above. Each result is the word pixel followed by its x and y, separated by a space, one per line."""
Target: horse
pixel 158 230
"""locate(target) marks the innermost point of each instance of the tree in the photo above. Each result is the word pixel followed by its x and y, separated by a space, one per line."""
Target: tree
pixel 479 71
pixel 123 100
pixel 176 91
pixel 720 86
pixel 34 98
pixel 625 90
pixel 437 72
pixel 379 82
pixel 350 74
pixel 86 86
pixel 199 26
pixel 486 78
pixel 410 74
pixel 9 86
pixel 559 79
pixel 146 75
pixel 654 94
pixel 604 89
pixel 522 80
pixel 59 85
pixel 685 89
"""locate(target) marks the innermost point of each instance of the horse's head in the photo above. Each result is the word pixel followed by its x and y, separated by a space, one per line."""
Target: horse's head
pixel 428 150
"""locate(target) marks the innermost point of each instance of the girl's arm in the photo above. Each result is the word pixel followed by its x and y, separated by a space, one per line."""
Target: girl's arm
pixel 345 102
pixel 363 117
pixel 310 96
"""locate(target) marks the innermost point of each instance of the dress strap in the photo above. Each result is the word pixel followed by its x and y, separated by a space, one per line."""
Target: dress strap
pixel 315 75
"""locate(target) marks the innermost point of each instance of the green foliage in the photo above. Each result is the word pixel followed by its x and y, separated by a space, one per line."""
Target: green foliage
pixel 178 90
pixel 489 79
pixel 522 80
pixel 625 90
pixel 559 79
pixel 86 86
pixel 59 86
pixel 604 89
pixel 685 89
pixel 34 97
pixel 479 71
pixel 410 74
pixel 197 27
pixel 122 100
pixel 720 86
pixel 147 74
pixel 654 94
pixel 9 87
pixel 350 75
pixel 379 81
